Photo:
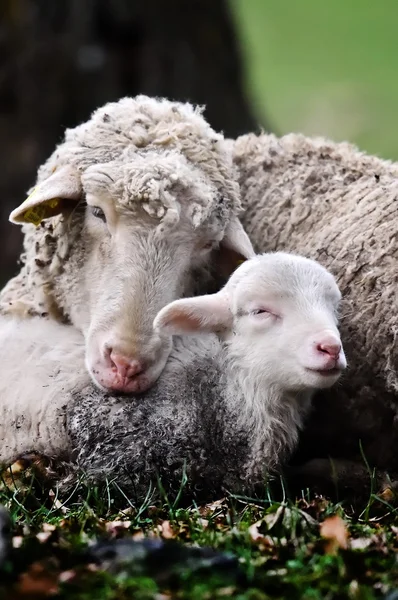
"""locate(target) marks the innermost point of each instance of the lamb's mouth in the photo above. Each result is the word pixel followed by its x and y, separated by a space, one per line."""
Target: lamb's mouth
pixel 326 372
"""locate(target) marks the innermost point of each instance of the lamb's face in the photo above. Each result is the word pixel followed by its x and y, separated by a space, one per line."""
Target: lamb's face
pixel 147 240
pixel 284 311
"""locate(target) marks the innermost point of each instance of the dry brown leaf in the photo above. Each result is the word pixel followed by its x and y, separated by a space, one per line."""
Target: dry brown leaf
pixel 67 576
pixel 388 495
pixel 226 591
pixel 43 536
pixel 254 533
pixel 115 527
pixel 360 543
pixel 37 580
pixel 166 530
pixel 335 531
pixel 18 467
pixel 257 537
pixel 208 509
pixel 17 541
pixel 204 523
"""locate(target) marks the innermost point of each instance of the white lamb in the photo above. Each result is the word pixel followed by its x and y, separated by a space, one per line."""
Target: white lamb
pixel 228 407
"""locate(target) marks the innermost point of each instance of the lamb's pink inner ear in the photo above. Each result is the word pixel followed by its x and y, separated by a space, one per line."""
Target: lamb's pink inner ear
pixel 194 315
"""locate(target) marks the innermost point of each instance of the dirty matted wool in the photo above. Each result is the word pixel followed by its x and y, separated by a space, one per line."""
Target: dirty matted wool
pixel 335 204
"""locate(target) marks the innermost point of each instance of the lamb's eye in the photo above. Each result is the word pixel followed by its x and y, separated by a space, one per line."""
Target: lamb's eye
pixel 260 311
pixel 98 212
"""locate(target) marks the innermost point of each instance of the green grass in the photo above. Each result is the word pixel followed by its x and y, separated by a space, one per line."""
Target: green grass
pixel 281 548
pixel 327 68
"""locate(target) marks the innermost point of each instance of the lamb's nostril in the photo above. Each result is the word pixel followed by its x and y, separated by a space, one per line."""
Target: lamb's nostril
pixel 331 349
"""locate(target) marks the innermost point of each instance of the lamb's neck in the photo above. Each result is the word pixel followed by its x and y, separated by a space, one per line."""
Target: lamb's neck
pixel 271 417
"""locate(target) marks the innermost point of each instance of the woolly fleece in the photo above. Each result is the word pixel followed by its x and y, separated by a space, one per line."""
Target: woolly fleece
pixel 339 206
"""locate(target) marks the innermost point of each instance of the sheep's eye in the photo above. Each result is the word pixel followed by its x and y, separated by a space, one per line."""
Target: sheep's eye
pixel 207 246
pixel 98 212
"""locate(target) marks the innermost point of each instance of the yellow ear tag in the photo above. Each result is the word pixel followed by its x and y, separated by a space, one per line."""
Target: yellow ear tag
pixel 44 210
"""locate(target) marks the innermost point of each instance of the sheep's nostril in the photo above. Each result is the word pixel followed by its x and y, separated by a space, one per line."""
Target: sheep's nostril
pixel 125 367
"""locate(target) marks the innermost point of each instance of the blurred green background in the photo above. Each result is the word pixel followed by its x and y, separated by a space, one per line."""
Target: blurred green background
pixel 327 68
pixel 310 66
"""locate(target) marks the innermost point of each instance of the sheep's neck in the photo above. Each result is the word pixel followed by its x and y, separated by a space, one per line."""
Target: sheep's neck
pixel 271 417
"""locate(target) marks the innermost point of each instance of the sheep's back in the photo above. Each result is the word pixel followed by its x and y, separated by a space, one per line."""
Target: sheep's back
pixel 334 204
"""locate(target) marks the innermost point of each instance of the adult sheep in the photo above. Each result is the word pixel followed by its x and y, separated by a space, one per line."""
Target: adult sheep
pixel 135 208
pixel 335 204
pixel 228 405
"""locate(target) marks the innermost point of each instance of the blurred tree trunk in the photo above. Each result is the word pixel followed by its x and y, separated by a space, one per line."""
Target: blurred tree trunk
pixel 60 59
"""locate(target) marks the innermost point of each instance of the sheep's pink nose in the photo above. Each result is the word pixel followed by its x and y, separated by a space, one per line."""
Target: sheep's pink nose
pixel 125 368
pixel 329 347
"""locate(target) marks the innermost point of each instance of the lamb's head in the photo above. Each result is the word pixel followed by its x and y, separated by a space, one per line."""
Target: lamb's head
pixel 141 204
pixel 278 317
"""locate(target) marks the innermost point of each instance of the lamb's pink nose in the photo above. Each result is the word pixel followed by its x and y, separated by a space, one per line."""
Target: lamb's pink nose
pixel 125 368
pixel 330 347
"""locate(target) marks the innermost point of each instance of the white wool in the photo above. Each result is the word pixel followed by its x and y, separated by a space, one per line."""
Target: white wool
pixel 41 363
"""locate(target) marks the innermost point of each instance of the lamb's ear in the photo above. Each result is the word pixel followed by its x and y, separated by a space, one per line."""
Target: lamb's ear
pixel 49 197
pixel 195 315
pixel 234 249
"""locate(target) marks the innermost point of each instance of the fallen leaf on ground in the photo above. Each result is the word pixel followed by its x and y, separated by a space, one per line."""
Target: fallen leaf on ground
pixel 17 541
pixel 67 576
pixel 335 531
pixel 37 580
pixel 388 495
pixel 258 537
pixel 208 509
pixel 166 530
pixel 115 527
pixel 43 536
pixel 361 543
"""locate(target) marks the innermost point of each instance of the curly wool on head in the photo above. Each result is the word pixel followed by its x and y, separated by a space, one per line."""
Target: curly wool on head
pixel 139 150
pixel 335 204
pixel 134 128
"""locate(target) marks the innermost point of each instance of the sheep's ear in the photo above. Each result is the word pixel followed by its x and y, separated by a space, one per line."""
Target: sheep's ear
pixel 195 315
pixel 234 249
pixel 49 197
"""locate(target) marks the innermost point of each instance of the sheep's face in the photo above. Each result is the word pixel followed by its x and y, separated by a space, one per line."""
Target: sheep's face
pixel 278 317
pixel 145 243
pixel 284 322
pixel 158 188
pixel 131 272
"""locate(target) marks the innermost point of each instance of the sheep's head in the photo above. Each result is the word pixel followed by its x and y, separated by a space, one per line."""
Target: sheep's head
pixel 278 317
pixel 134 232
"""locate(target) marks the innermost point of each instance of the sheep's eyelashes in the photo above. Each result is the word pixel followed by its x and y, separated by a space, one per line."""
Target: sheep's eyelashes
pixel 97 212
